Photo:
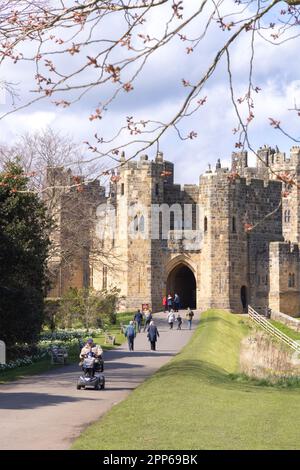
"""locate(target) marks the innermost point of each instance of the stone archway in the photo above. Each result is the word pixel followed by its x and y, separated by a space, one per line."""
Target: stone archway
pixel 181 280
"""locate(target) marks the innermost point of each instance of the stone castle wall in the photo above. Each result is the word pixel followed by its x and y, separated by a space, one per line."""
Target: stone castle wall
pixel 238 215
pixel 284 293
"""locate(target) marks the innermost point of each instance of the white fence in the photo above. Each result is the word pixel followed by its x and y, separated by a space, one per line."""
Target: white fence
pixel 264 323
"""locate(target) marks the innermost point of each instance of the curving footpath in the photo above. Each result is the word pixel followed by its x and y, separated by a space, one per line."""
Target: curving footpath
pixel 47 412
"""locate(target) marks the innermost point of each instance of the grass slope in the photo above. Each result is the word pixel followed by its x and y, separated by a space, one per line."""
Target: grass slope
pixel 191 403
pixel 285 329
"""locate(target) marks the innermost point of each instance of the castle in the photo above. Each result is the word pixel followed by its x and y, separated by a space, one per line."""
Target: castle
pixel 230 241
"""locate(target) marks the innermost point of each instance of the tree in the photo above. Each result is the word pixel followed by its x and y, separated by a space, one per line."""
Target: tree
pixel 51 160
pixel 107 45
pixel 41 149
pixel 24 244
pixel 87 307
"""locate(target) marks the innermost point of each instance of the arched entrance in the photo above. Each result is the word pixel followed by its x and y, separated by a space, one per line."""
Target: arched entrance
pixel 244 298
pixel 181 280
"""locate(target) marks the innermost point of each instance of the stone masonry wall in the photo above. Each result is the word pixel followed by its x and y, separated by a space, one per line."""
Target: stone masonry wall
pixel 284 293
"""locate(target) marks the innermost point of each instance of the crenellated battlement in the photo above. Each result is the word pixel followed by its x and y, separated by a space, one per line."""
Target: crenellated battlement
pixel 231 178
pixel 243 216
pixel 158 168
pixel 274 158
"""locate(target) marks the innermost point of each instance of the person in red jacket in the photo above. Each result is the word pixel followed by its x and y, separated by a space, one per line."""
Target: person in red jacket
pixel 164 302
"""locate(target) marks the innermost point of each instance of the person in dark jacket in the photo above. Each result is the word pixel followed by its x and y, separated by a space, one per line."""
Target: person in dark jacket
pixel 176 302
pixel 138 317
pixel 153 334
pixel 179 321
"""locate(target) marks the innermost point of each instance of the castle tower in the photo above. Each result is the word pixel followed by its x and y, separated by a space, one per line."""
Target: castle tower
pixel 237 231
pixel 239 162
pixel 214 277
pixel 287 168
pixel 72 204
pixel 263 161
pixel 137 186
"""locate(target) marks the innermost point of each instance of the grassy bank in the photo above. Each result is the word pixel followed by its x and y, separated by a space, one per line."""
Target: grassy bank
pixel 285 329
pixel 45 364
pixel 192 403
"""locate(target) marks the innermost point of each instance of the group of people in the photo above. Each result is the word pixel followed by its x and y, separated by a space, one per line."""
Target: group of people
pixel 149 325
pixel 136 324
pixel 172 317
pixel 171 303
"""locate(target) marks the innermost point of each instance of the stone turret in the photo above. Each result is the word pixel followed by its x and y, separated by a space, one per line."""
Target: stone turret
pixel 295 155
pixel 239 162
pixel 159 157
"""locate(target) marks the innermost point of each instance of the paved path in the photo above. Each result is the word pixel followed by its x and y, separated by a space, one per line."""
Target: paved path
pixel 47 412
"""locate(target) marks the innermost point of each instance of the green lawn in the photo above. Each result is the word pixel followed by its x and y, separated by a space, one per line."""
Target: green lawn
pixel 285 329
pixel 45 364
pixel 192 403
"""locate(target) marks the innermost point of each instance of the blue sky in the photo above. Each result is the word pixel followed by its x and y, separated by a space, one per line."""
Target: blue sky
pixel 158 93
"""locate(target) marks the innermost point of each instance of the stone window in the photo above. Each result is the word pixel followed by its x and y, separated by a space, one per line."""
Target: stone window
pixel 172 221
pixel 142 224
pixel 291 281
pixel 205 224
pixel 233 225
pixel 157 189
pixel 287 216
pixel 104 279
pixel 160 228
pixel 136 223
pixel 122 189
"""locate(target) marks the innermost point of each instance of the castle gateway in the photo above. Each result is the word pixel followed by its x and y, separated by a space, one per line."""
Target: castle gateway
pixel 229 241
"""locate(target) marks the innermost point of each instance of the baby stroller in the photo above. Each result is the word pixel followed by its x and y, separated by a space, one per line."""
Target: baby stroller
pixel 91 376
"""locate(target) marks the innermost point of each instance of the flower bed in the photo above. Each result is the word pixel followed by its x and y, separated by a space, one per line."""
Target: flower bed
pixel 68 335
pixel 24 361
pixel 69 338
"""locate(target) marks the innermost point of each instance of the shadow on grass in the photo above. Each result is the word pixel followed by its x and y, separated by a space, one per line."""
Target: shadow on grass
pixel 213 318
pixel 213 375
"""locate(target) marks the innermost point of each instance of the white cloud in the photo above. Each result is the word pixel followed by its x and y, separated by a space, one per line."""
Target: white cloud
pixel 158 93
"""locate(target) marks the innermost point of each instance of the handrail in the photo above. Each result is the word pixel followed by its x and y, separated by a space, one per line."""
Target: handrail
pixel 264 323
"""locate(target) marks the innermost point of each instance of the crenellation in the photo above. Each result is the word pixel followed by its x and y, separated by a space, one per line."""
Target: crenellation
pixel 239 245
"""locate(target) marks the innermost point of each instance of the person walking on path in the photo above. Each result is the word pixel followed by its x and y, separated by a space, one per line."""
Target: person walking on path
pixel 138 317
pixel 164 302
pixel 171 319
pixel 189 317
pixel 179 321
pixel 176 302
pixel 130 335
pixel 152 335
pixel 170 302
pixel 148 318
